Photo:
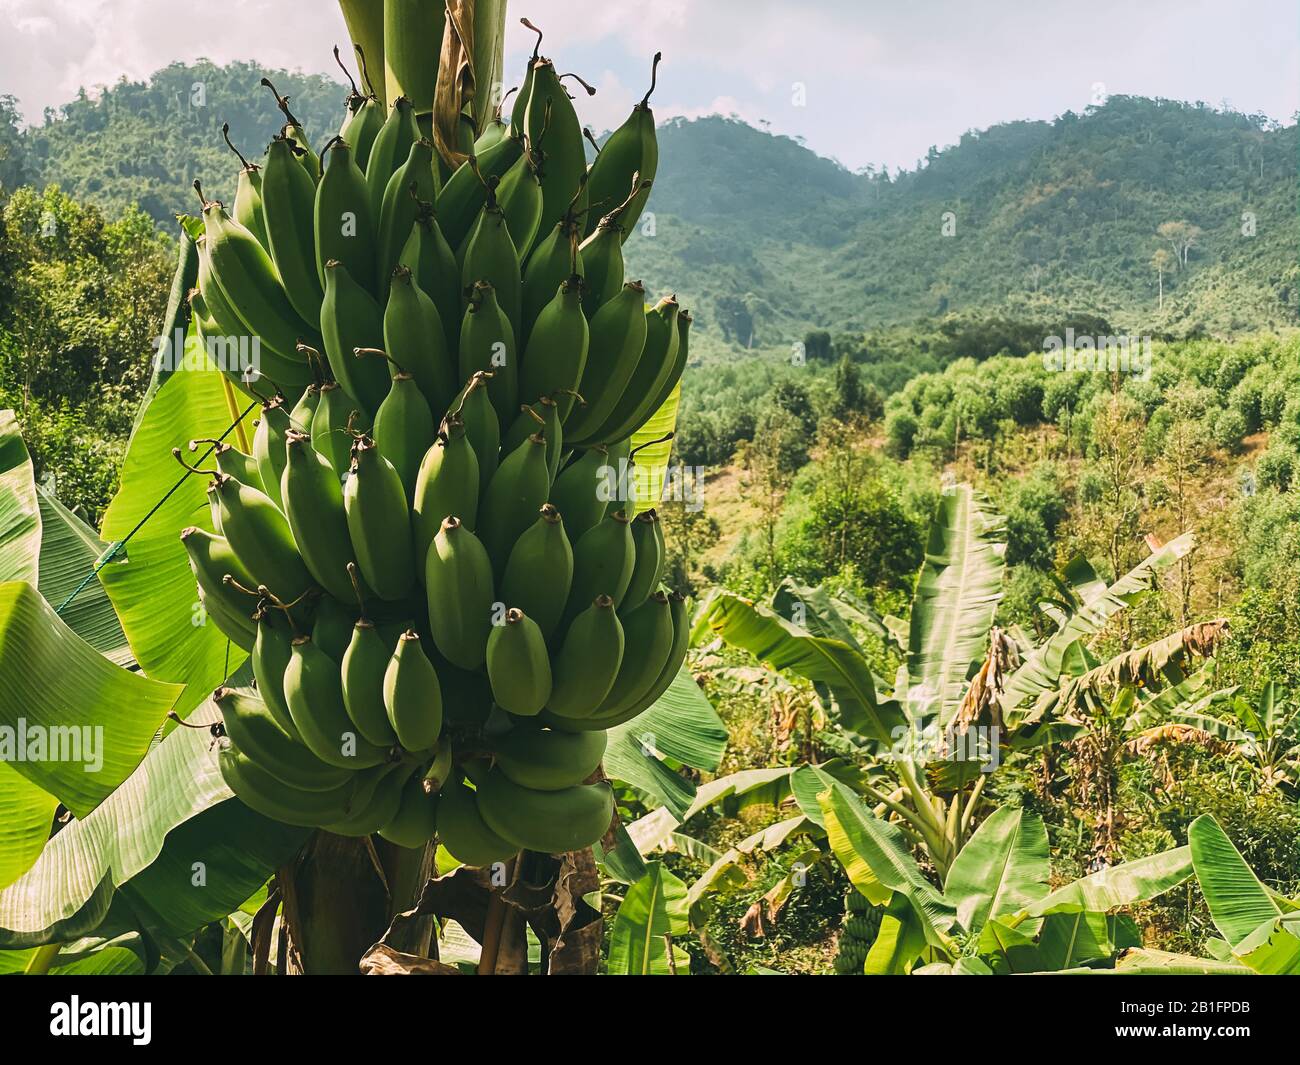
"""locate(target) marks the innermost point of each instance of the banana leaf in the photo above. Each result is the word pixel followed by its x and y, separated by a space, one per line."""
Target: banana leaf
pixel 125 955
pixel 736 791
pixel 681 726
pixel 1137 881
pixel 53 680
pixel 168 851
pixel 1004 867
pixel 1068 940
pixel 652 458
pixel 878 861
pixel 654 910
pixel 1243 909
pixel 153 590
pixel 1143 962
pixel 957 596
pixel 900 941
pixel 786 646
pixel 20 512
pixel 1042 667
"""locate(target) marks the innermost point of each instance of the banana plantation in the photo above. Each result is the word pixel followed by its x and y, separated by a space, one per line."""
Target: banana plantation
pixel 390 654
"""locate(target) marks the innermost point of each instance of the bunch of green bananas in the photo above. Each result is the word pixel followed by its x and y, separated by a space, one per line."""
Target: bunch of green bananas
pixel 444 607
pixel 858 932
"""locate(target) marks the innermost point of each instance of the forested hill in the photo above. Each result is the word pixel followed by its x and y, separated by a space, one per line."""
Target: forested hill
pixel 766 240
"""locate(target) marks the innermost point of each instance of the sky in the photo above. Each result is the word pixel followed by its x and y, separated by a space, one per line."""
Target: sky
pixel 867 82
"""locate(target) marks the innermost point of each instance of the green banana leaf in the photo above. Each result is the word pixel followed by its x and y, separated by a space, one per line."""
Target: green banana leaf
pixel 168 851
pixel 26 817
pixel 957 596
pixel 655 907
pixel 1143 962
pixel 786 646
pixel 682 727
pixel 814 609
pixel 69 551
pixel 51 678
pixel 1122 885
pixel 878 861
pixel 153 590
pixel 1242 908
pixel 1004 867
pixel 124 956
pixel 652 460
pixel 20 512
pixel 1068 940
pixel 1041 668
pixel 737 791
pixel 177 314
pixel 900 941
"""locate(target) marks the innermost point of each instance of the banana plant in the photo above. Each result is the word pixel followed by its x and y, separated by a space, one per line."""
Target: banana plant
pixel 995 913
pixel 1265 733
pixel 943 687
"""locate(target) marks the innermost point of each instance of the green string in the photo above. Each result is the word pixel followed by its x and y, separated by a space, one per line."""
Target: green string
pixel 117 545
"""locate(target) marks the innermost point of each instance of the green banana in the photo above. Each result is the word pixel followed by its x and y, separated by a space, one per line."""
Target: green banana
pixel 270 658
pixel 458 580
pixel 546 760
pixel 383 804
pixel 602 253
pixel 350 319
pixel 648 541
pixel 248 193
pixel 515 493
pixel 684 320
pixel 555 259
pixel 551 822
pixel 313 504
pixel 404 429
pixel 520 197
pixel 289 199
pixel 588 662
pixel 648 628
pixel 362 676
pixel 542 417
pixel 412 184
pixel 293 132
pixel 363 119
pixel 300 417
pixel 446 485
pixel 552 125
pixel 412 695
pixel 235 349
pixel 482 428
pixel 618 334
pixel 631 149
pixel 256 735
pixel 231 461
pixel 539 571
pixel 412 44
pixel 260 536
pixel 329 426
pixel 313 691
pixel 211 558
pixel 652 371
pixel 344 224
pixel 582 491
pixel 465 193
pixel 432 263
pixel 268 446
pixel 518 668
pixel 556 353
pixel 332 626
pixel 415 340
pixel 528 422
pixel 606 717
pixel 250 284
pixel 462 830
pixel 379 523
pixel 603 560
pixel 263 793
pixel 391 148
pixel 487 343
pixel 416 819
pixel 489 254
